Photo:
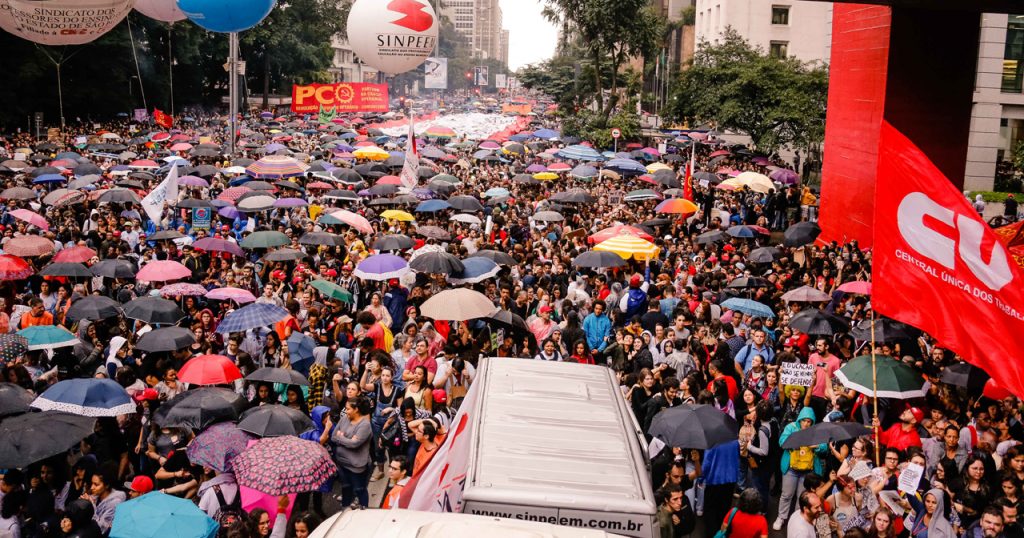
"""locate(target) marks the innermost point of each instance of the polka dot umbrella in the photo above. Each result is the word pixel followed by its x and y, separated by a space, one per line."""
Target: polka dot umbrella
pixel 12 347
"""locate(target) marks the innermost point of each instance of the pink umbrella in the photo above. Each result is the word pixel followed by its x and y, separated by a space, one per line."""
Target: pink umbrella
pixel 31 217
pixel 858 286
pixel 75 254
pixel 389 180
pixel 231 194
pixel 162 271
pixel 181 146
pixel 252 499
pixel 354 220
pixel 237 295
pixel 181 289
pixel 28 245
pixel 216 244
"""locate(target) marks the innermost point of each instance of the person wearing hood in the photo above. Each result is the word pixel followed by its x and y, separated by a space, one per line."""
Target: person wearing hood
pixel 115 353
pixel 930 515
pixel 796 463
pixel 87 350
pixel 320 415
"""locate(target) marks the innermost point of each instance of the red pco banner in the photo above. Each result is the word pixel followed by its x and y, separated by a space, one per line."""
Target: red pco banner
pixel 342 97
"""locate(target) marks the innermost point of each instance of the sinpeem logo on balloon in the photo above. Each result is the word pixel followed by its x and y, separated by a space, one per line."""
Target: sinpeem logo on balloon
pixel 947 236
pixel 414 17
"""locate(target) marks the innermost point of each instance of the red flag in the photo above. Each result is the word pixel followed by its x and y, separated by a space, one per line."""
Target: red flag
pixel 688 179
pixel 938 266
pixel 162 119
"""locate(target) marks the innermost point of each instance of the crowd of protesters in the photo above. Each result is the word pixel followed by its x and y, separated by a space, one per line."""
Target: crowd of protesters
pixel 387 381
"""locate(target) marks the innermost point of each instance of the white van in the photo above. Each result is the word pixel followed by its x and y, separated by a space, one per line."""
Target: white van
pixel 556 442
pixel 412 524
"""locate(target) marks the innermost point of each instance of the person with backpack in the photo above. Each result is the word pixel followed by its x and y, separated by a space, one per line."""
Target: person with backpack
pixel 219 498
pixel 796 463
pixel 634 300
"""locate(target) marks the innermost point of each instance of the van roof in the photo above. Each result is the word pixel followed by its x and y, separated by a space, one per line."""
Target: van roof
pixel 557 434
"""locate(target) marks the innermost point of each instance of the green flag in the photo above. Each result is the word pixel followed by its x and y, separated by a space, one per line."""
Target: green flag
pixel 325 116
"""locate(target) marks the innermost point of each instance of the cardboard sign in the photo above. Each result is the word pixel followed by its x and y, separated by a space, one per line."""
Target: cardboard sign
pixel 797 374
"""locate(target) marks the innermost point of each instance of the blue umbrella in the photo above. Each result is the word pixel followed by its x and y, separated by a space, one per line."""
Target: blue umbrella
pixel 483 154
pixel 748 306
pixel 90 397
pixel 300 351
pixel 626 167
pixel 250 317
pixel 580 153
pixel 476 269
pixel 158 515
pixel 497 192
pixel 48 337
pixel 381 267
pixel 741 231
pixel 50 178
pixel 546 134
pixel 584 171
pixel 430 206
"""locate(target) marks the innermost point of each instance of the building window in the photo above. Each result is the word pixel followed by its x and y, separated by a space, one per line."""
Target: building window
pixel 780 15
pixel 1013 55
pixel 778 49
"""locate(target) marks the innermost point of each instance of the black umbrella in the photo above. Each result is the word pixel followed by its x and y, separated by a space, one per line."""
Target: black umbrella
pixel 818 322
pixel 714 236
pixel 694 426
pixel 525 179
pixel 94 308
pixel 515 324
pixel 574 197
pixel 285 255
pixel 153 310
pixel 496 256
pixel 749 282
pixel 114 269
pixel 437 262
pixel 166 339
pixel 30 437
pixel 278 375
pixel 322 239
pixel 198 408
pixel 120 195
pixel 707 176
pixel 667 178
pixel 963 374
pixel 274 421
pixel 73 270
pixel 393 242
pixel 801 233
pixel 886 330
pixel 656 222
pixel 194 202
pixel 14 400
pixel 764 255
pixel 596 259
pixel 383 189
pixel 164 235
pixel 465 203
pixel 825 432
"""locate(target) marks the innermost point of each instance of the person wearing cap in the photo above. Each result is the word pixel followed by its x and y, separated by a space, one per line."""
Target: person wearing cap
pixel 139 486
pixel 903 434
pixel 442 413
pixel 542 326
pixel 1010 208
pixel 634 300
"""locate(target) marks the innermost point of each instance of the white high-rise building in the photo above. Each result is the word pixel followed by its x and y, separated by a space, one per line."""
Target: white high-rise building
pixel 783 28
pixel 480 23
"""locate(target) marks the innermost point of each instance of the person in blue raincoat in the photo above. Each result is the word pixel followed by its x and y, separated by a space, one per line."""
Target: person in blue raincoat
pixel 796 463
pixel 319 415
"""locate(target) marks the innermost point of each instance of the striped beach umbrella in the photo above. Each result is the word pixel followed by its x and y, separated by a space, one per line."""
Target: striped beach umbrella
pixel 276 167
pixel 629 246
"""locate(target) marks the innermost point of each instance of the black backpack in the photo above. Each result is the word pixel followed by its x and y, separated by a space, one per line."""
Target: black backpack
pixel 228 514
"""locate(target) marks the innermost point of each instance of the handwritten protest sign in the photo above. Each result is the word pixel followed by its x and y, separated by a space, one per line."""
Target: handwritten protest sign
pixel 797 374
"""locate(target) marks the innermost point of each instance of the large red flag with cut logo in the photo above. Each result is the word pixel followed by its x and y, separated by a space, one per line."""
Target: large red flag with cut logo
pixel 162 119
pixel 940 268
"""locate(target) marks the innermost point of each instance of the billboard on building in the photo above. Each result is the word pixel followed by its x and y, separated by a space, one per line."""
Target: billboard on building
pixel 435 74
pixel 500 81
pixel 481 73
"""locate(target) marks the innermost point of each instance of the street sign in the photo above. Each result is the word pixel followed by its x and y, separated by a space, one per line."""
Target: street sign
pixel 616 133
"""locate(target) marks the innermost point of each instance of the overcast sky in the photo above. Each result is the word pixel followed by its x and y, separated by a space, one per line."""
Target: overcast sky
pixel 531 37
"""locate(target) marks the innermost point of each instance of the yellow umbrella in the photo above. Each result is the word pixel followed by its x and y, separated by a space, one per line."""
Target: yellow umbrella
pixel 394 214
pixel 372 153
pixel 629 246
pixel 545 176
pixel 654 167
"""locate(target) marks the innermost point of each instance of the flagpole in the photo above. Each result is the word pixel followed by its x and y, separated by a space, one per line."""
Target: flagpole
pixel 874 387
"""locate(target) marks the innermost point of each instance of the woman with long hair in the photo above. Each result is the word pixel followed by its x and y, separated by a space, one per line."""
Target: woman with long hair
pixel 419 389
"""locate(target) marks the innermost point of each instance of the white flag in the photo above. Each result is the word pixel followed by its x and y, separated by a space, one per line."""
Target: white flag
pixel 411 168
pixel 167 190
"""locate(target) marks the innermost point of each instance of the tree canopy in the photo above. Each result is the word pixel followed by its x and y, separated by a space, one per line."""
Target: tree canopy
pixel 739 87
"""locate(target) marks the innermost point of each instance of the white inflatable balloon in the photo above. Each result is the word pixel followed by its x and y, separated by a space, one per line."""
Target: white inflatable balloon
pixel 393 36
pixel 62 22
pixel 161 10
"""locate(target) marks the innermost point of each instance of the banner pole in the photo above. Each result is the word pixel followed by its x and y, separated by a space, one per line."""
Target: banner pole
pixel 874 388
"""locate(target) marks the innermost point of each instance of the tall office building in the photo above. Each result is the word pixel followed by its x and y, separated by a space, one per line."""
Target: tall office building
pixel 783 28
pixel 480 23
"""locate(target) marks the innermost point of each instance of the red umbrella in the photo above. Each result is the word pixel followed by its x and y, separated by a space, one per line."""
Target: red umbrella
pixel 859 287
pixel 28 245
pixel 209 370
pixel 162 271
pixel 14 268
pixel 620 229
pixel 31 217
pixel 75 254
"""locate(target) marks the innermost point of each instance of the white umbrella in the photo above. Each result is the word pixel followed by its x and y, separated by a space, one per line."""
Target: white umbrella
pixel 460 304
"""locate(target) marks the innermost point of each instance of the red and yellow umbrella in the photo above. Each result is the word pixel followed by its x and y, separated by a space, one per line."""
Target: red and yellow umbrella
pixel 680 206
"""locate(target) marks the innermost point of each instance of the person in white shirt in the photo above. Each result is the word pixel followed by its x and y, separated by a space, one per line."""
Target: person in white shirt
pixel 802 526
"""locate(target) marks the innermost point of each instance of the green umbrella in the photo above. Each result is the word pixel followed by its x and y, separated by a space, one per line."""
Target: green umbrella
pixel 332 290
pixel 265 239
pixel 895 379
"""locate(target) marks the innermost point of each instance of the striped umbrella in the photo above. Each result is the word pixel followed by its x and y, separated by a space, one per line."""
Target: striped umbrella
pixel 250 317
pixel 276 167
pixel 629 246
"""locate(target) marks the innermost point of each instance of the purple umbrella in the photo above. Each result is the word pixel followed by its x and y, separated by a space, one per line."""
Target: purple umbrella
pixel 535 168
pixel 193 181
pixel 229 212
pixel 216 244
pixel 381 267
pixel 290 202
pixel 785 176
pixel 343 148
pixel 216 446
pixel 270 148
pixel 423 193
pixel 760 160
pixel 181 289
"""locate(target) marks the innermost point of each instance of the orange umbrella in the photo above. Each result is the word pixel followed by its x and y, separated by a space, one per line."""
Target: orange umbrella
pixel 680 206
